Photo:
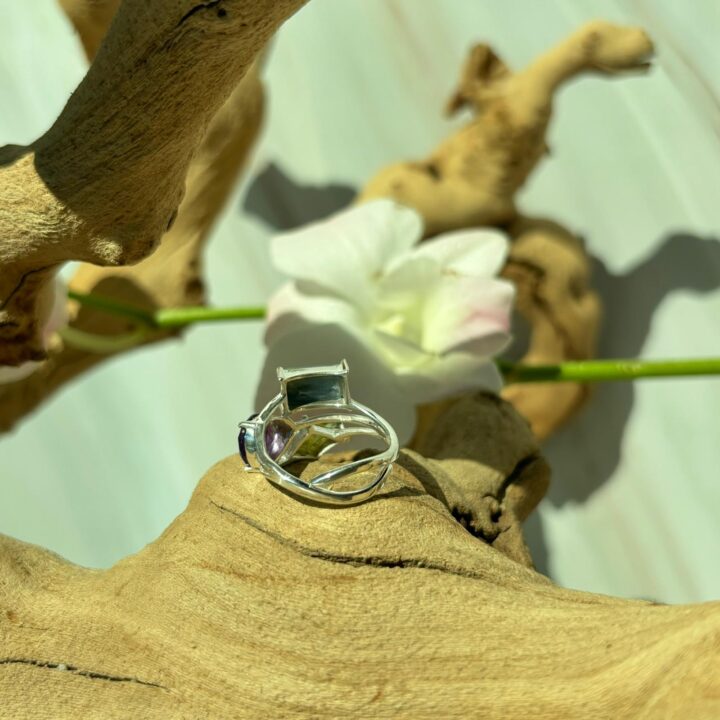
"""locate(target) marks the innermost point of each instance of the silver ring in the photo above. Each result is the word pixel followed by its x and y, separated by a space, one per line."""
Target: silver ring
pixel 312 414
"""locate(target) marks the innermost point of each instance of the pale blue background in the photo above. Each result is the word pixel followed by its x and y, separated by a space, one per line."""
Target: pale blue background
pixel 354 84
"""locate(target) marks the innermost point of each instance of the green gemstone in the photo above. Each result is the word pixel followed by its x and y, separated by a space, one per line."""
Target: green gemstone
pixel 314 389
pixel 313 445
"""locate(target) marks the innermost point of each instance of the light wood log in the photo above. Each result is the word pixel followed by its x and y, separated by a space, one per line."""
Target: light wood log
pixel 253 604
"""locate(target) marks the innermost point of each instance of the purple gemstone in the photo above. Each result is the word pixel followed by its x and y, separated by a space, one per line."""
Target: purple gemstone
pixel 277 433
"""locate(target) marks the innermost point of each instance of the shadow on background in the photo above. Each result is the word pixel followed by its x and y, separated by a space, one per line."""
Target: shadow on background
pixel 283 204
pixel 583 458
pixel 586 453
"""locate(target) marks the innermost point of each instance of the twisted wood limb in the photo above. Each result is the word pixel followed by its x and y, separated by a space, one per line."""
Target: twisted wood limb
pixel 253 604
pixel 104 183
pixel 551 271
pixel 471 179
pixel 172 275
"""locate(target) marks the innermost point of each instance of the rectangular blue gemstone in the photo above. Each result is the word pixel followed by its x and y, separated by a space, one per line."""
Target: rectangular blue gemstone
pixel 314 389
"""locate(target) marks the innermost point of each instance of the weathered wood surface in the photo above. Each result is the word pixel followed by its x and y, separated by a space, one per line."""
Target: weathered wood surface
pixel 104 183
pixel 170 277
pixel 253 604
pixel 633 167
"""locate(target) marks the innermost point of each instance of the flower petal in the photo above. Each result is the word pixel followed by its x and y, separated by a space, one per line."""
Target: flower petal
pixel 295 305
pixel 398 352
pixel 52 308
pixel 57 317
pixel 479 252
pixel 452 374
pixel 345 252
pixel 408 275
pixel 465 311
pixel 371 381
pixel 400 297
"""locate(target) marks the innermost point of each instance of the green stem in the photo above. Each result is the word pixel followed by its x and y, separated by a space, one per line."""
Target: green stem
pixel 113 307
pixel 102 344
pixel 606 370
pixel 585 371
pixel 178 317
pixel 167 317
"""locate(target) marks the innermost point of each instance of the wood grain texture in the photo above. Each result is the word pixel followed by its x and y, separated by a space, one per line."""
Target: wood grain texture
pixel 634 162
pixel 253 604
pixel 170 277
pixel 104 183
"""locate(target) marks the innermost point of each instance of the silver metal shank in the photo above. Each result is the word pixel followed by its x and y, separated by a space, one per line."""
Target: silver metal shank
pixel 328 423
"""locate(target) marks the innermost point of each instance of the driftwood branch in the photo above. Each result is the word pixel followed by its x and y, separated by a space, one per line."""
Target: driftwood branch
pixel 420 603
pixel 471 179
pixel 172 275
pixel 105 182
pixel 552 274
pixel 254 604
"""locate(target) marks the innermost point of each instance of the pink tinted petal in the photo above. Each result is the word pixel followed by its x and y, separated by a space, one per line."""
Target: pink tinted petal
pixel 464 311
pixel 344 253
pixel 481 252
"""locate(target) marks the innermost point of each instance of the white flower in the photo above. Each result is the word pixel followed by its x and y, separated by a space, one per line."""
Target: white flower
pixel 415 322
pixel 52 306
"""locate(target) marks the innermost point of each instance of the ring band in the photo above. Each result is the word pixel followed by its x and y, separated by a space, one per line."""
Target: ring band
pixel 312 414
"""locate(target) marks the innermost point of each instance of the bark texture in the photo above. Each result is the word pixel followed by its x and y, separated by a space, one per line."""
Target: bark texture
pixel 253 604
pixel 105 182
pixel 172 275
